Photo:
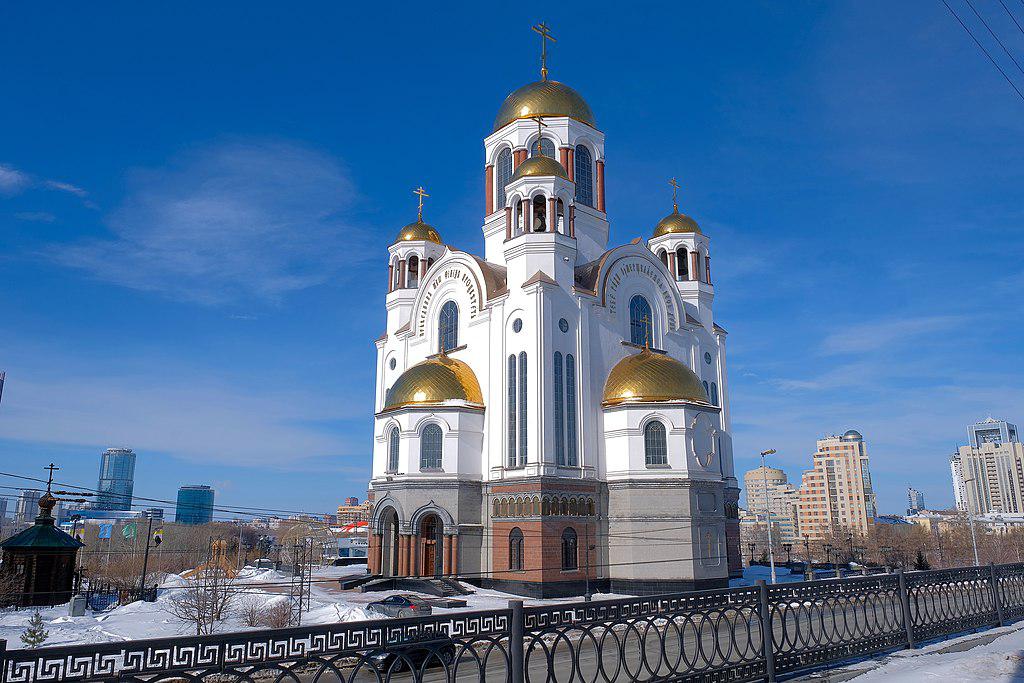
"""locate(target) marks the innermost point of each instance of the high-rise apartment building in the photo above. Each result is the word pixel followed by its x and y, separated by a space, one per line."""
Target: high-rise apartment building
pixel 768 490
pixel 194 505
pixel 915 501
pixel 117 480
pixel 988 473
pixel 837 493
pixel 27 508
pixel 351 501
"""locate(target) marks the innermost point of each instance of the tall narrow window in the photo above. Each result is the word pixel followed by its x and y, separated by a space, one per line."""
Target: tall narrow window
pixel 570 410
pixel 503 173
pixel 547 148
pixel 430 448
pixel 413 278
pixel 655 446
pixel 513 398
pixel 570 560
pixel 448 327
pixel 584 176
pixel 663 255
pixel 559 405
pixel 641 321
pixel 522 409
pixel 682 265
pixel 707 390
pixel 393 449
pixel 714 394
pixel 515 550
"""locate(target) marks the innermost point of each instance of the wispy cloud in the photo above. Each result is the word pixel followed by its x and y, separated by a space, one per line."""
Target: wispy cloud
pixel 14 181
pixel 878 334
pixel 65 187
pixel 233 222
pixel 36 216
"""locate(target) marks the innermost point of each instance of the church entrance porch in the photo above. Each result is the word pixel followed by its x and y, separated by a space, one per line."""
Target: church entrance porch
pixel 431 543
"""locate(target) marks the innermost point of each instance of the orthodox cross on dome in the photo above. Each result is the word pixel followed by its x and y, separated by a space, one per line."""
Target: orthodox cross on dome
pixel 675 188
pixel 49 482
pixel 540 133
pixel 646 322
pixel 545 36
pixel 422 193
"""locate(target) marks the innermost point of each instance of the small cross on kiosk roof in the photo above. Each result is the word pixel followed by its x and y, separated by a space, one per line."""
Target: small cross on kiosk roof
pixel 545 36
pixel 422 193
pixel 49 482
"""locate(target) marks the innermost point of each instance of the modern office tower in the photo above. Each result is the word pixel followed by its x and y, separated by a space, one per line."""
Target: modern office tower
pixel 117 480
pixel 988 473
pixel 837 493
pixel 768 489
pixel 28 506
pixel 195 505
pixel 915 501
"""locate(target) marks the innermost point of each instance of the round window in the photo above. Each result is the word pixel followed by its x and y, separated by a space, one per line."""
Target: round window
pixel 563 325
pixel 392 364
pixel 707 358
pixel 517 325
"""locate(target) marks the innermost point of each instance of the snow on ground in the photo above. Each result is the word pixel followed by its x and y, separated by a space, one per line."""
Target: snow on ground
pixel 752 574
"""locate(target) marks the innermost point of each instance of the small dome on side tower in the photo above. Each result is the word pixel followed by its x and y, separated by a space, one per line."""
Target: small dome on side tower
pixel 539 166
pixel 419 231
pixel 675 223
pixel 647 376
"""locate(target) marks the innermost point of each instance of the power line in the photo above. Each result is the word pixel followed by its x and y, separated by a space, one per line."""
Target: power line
pixel 993 34
pixel 1012 18
pixel 982 48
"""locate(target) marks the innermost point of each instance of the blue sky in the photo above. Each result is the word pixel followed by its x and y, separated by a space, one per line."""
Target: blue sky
pixel 195 205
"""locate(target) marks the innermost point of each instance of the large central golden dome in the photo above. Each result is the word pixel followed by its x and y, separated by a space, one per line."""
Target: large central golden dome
pixel 435 381
pixel 648 376
pixel 544 98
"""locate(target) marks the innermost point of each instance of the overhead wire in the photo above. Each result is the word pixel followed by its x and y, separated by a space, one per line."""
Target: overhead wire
pixel 994 36
pixel 982 48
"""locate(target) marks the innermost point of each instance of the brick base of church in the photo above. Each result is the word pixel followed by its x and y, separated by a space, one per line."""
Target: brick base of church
pixel 568 589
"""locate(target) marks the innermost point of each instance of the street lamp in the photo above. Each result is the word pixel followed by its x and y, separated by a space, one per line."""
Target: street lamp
pixel 828 552
pixel 788 547
pixel 809 571
pixel 751 546
pixel 768 511
pixel 970 520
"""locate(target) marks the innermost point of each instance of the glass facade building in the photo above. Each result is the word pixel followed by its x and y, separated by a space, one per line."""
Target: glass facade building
pixel 117 480
pixel 195 505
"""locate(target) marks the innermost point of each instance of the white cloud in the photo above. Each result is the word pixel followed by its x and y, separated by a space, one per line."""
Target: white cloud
pixel 65 187
pixel 879 334
pixel 229 223
pixel 13 181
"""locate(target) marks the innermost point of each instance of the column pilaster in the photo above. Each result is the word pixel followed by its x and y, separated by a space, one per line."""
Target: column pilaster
pixel 489 185
pixel 600 185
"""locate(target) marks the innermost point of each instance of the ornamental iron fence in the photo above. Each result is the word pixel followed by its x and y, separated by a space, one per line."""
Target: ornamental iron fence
pixel 738 634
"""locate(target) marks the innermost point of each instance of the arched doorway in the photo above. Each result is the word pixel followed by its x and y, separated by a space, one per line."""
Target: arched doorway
pixel 431 546
pixel 389 543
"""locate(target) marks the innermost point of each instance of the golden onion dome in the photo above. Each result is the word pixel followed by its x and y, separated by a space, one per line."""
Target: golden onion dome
pixel 435 381
pixel 419 232
pixel 544 98
pixel 676 222
pixel 648 376
pixel 539 166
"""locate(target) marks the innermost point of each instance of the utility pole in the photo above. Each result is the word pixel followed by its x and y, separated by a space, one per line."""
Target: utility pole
pixel 970 520
pixel 768 511
pixel 145 557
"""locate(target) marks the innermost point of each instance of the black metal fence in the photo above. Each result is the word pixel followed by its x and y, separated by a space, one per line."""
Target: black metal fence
pixel 100 595
pixel 739 634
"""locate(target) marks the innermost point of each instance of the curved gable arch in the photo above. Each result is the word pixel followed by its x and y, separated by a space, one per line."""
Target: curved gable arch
pixel 634 269
pixel 455 276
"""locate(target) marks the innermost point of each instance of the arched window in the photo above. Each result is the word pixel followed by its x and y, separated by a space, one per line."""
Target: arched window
pixel 540 215
pixel 393 449
pixel 515 550
pixel 584 176
pixel 590 508
pixel 559 406
pixel 430 448
pixel 522 409
pixel 707 390
pixel 570 410
pixel 448 327
pixel 663 255
pixel 682 264
pixel 513 399
pixel 535 508
pixel 655 446
pixel 569 559
pixel 641 321
pixel 504 508
pixel 545 507
pixel 573 508
pixel 496 507
pixel 547 148
pixel 413 279
pixel 714 394
pixel 502 174
pixel 564 507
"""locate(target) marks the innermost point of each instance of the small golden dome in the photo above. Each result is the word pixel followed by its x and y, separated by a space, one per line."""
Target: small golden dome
pixel 435 381
pixel 676 222
pixel 544 98
pixel 648 376
pixel 419 232
pixel 539 166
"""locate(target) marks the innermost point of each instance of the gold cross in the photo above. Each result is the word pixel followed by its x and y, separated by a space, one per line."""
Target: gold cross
pixel 646 322
pixel 540 128
pixel 422 193
pixel 52 467
pixel 675 188
pixel 545 35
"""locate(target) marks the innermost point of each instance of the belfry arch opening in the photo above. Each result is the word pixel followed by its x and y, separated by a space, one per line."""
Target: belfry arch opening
pixel 389 543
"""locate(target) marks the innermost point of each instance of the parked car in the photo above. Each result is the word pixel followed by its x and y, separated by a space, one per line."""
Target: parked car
pixel 402 605
pixel 414 650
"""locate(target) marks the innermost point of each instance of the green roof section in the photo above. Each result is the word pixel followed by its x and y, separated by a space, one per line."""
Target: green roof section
pixel 43 534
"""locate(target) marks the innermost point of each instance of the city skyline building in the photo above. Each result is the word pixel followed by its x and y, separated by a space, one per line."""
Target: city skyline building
pixel 915 501
pixel 837 493
pixel 27 506
pixel 116 481
pixel 194 504
pixel 988 473
pixel 778 496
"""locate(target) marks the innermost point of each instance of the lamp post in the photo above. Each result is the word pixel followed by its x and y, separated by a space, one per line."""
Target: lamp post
pixel 809 571
pixel 768 511
pixel 970 520
pixel 788 547
pixel 751 546
pixel 828 552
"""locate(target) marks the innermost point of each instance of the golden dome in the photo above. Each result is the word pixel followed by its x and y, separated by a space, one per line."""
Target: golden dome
pixel 544 98
pixel 648 376
pixel 435 381
pixel 539 166
pixel 419 232
pixel 676 222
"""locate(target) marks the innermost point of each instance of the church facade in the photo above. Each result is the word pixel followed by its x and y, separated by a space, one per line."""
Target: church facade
pixel 553 415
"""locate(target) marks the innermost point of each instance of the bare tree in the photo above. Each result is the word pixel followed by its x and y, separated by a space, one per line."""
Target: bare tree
pixel 204 601
pixel 278 615
pixel 251 610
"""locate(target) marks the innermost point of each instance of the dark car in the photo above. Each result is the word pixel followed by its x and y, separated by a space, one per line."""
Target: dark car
pixel 436 649
pixel 403 605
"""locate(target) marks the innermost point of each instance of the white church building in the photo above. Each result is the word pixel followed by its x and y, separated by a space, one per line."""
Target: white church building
pixel 553 413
